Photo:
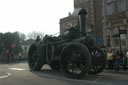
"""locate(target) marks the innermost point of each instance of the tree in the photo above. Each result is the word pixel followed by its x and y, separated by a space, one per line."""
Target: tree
pixel 22 37
pixel 7 39
pixel 12 42
pixel 34 34
pixel 16 41
pixel 1 42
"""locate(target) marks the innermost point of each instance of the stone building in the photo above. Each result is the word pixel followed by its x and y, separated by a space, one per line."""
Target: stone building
pixel 116 24
pixel 94 19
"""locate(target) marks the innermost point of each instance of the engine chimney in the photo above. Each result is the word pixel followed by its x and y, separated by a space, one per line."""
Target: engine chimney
pixel 82 18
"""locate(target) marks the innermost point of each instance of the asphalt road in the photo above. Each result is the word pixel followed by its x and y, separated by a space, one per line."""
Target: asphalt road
pixel 19 74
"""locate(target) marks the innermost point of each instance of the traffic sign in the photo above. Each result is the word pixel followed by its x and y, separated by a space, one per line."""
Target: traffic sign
pixel 98 40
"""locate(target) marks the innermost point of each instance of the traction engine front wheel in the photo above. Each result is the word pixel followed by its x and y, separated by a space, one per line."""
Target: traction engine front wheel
pixel 98 61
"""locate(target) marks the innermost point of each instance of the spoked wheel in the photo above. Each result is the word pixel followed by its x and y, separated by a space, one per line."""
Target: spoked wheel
pixel 98 61
pixel 35 59
pixel 55 65
pixel 75 60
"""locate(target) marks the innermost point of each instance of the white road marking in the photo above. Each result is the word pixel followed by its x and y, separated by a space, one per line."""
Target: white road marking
pixel 18 69
pixel 5 76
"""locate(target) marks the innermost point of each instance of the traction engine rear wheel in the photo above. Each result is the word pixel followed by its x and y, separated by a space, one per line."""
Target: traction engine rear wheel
pixel 75 60
pixel 35 57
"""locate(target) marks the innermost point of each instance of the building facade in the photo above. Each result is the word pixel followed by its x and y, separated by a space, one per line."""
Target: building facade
pixel 116 24
pixel 94 19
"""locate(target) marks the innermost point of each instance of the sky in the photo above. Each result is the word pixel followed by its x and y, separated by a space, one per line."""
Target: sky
pixel 33 15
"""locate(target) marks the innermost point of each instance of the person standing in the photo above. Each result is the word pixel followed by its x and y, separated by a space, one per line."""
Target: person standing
pixel 110 59
pixel 124 63
pixel 12 56
pixel 20 56
pixel 127 56
pixel 7 56
pixel 117 61
pixel 37 39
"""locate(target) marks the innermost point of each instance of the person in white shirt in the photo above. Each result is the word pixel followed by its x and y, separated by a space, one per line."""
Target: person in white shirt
pixel 110 59
pixel 20 56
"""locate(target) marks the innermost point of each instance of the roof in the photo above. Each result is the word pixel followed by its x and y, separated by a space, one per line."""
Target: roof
pixel 28 42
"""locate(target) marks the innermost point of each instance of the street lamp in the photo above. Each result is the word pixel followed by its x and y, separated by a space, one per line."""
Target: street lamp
pixel 120 40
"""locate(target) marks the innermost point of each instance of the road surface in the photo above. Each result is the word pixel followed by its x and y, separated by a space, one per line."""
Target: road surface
pixel 19 74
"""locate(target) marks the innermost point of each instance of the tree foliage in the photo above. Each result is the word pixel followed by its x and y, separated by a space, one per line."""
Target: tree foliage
pixel 1 41
pixel 34 34
pixel 8 40
pixel 22 37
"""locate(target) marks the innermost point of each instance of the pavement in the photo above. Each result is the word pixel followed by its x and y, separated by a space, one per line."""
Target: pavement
pixel 19 74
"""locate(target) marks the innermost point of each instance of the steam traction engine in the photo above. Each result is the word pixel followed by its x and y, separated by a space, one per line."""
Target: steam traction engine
pixel 73 52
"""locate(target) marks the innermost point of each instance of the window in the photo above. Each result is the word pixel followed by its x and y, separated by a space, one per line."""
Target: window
pixel 109 9
pixel 123 39
pixel 121 6
pixel 116 6
pixel 117 42
pixel 123 42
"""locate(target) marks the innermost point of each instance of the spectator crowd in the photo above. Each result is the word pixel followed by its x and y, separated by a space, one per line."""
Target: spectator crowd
pixel 117 60
pixel 9 56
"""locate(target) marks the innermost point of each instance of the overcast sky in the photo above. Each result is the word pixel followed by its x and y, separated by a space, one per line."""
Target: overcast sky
pixel 33 15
